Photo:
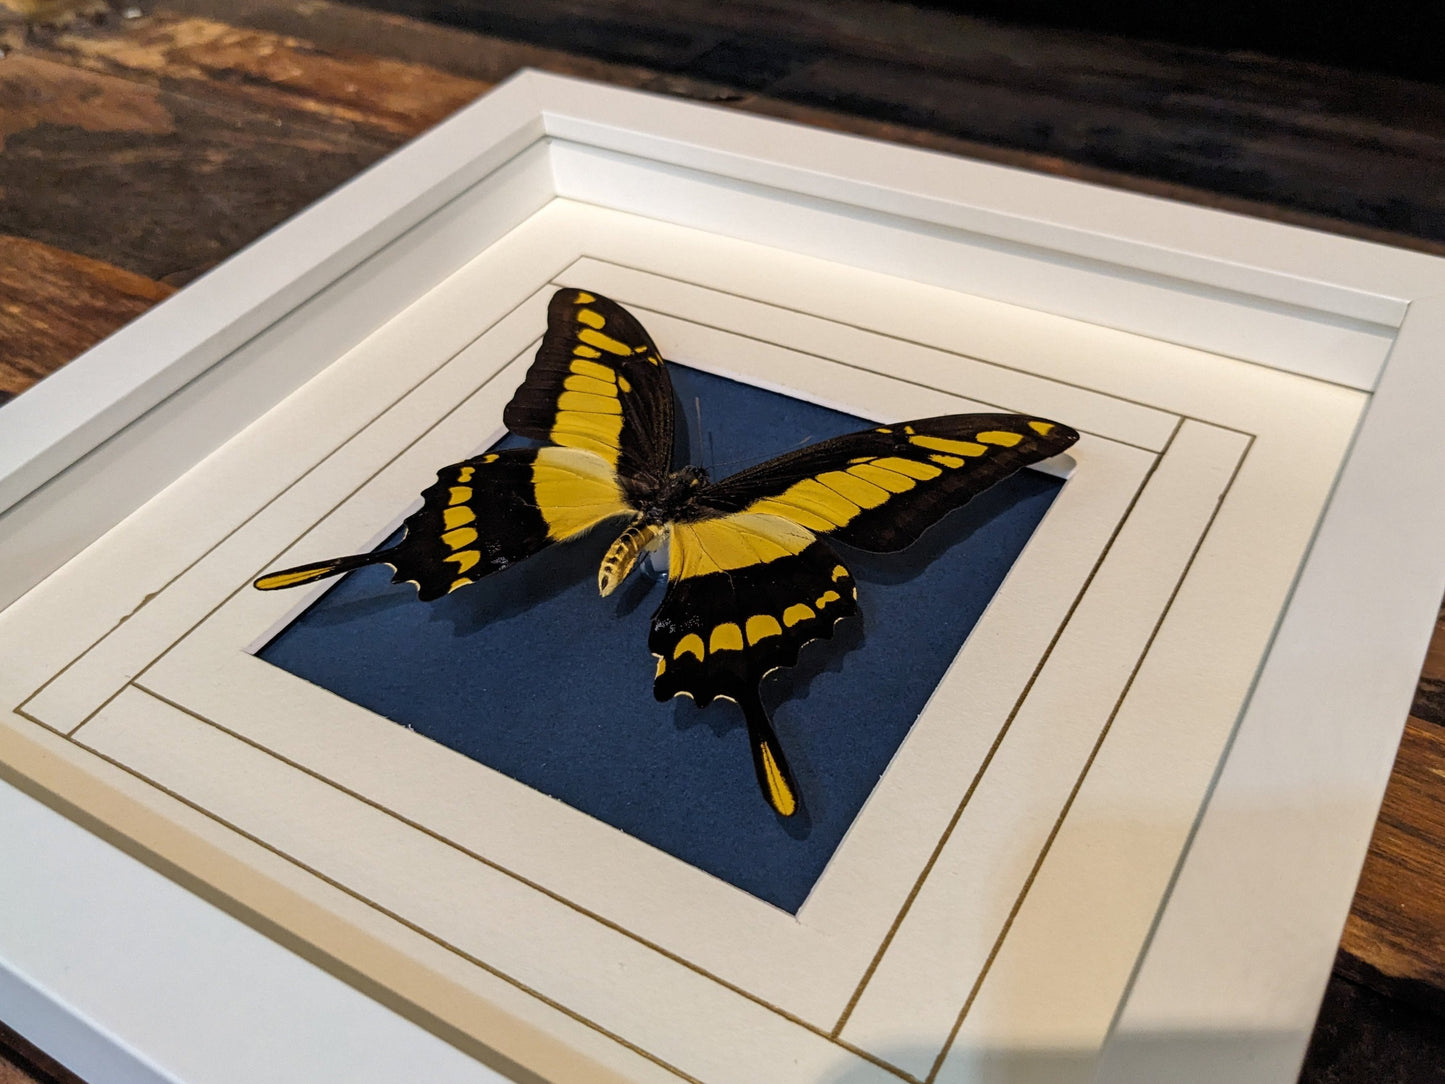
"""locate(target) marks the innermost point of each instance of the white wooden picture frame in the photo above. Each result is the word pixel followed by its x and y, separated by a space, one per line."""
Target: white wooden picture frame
pixel 1161 749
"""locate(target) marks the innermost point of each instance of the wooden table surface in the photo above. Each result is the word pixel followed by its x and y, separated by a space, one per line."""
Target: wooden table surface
pixel 140 144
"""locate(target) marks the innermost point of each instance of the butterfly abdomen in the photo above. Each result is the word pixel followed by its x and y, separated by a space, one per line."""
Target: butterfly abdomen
pixel 623 554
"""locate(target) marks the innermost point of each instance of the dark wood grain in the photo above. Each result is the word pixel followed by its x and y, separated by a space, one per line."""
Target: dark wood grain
pixel 265 73
pixel 338 27
pixel 1366 1037
pixel 1394 939
pixel 1361 148
pixel 755 45
pixel 55 305
pixel 155 182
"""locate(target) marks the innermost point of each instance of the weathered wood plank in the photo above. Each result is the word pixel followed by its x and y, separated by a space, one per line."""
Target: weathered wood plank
pixel 55 305
pixel 1357 147
pixel 159 183
pixel 259 70
pixel 724 72
pixel 342 28
pixel 1395 936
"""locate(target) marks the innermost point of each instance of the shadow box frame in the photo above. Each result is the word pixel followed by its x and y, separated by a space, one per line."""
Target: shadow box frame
pixel 1253 503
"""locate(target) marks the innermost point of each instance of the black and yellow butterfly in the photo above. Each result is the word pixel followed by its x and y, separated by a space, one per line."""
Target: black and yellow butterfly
pixel 750 580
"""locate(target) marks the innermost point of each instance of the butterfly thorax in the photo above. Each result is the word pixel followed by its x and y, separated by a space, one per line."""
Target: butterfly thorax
pixel 668 500
pixel 657 506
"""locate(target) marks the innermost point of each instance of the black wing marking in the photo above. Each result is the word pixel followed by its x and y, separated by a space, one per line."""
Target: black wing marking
pixel 600 385
pixel 745 593
pixel 882 488
pixel 484 514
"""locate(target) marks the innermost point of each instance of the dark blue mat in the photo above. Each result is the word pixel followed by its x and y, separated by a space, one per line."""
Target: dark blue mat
pixel 532 673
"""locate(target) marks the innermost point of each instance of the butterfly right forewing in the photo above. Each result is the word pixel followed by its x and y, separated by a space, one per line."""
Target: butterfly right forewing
pixel 881 488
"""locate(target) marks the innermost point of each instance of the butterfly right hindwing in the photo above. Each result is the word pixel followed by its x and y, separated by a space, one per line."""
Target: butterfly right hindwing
pixel 744 594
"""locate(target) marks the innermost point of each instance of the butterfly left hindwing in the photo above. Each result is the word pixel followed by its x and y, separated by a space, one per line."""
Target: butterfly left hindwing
pixel 483 515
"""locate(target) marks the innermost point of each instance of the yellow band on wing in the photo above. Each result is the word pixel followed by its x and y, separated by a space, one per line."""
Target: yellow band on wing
pixel 574 490
pixel 731 542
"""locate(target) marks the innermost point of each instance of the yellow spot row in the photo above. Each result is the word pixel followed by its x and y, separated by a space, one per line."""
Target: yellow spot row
pixel 729 637
pixel 966 448
pixel 796 613
pixel 589 416
pixel 458 536
pixel 591 369
pixel 604 342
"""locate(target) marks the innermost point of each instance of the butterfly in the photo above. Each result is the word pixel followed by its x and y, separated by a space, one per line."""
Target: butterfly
pixel 751 578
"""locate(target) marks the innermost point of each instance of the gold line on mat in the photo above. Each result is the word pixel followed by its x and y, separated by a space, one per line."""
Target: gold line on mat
pixel 998 740
pixel 939 349
pixel 280 493
pixel 1079 782
pixel 489 863
pixel 228 904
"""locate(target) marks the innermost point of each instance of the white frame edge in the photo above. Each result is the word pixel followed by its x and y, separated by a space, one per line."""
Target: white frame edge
pixel 1222 991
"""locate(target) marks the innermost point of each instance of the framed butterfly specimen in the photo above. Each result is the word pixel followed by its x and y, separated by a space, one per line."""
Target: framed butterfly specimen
pixel 751 577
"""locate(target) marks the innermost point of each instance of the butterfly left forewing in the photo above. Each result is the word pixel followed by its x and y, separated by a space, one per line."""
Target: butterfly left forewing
pixel 881 488
pixel 598 384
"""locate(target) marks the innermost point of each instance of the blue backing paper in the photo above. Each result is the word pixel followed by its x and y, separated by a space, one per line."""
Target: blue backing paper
pixel 532 673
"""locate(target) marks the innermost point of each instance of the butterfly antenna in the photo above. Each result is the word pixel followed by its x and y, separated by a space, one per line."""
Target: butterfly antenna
pixel 774 777
pixel 697 413
pixel 301 574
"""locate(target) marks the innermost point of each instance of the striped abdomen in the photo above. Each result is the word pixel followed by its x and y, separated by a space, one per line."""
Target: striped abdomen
pixel 623 555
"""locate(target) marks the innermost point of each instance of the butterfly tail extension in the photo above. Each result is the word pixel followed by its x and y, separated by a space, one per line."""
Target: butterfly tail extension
pixel 303 574
pixel 775 778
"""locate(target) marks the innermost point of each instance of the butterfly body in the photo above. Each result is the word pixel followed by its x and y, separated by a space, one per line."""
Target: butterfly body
pixel 751 577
